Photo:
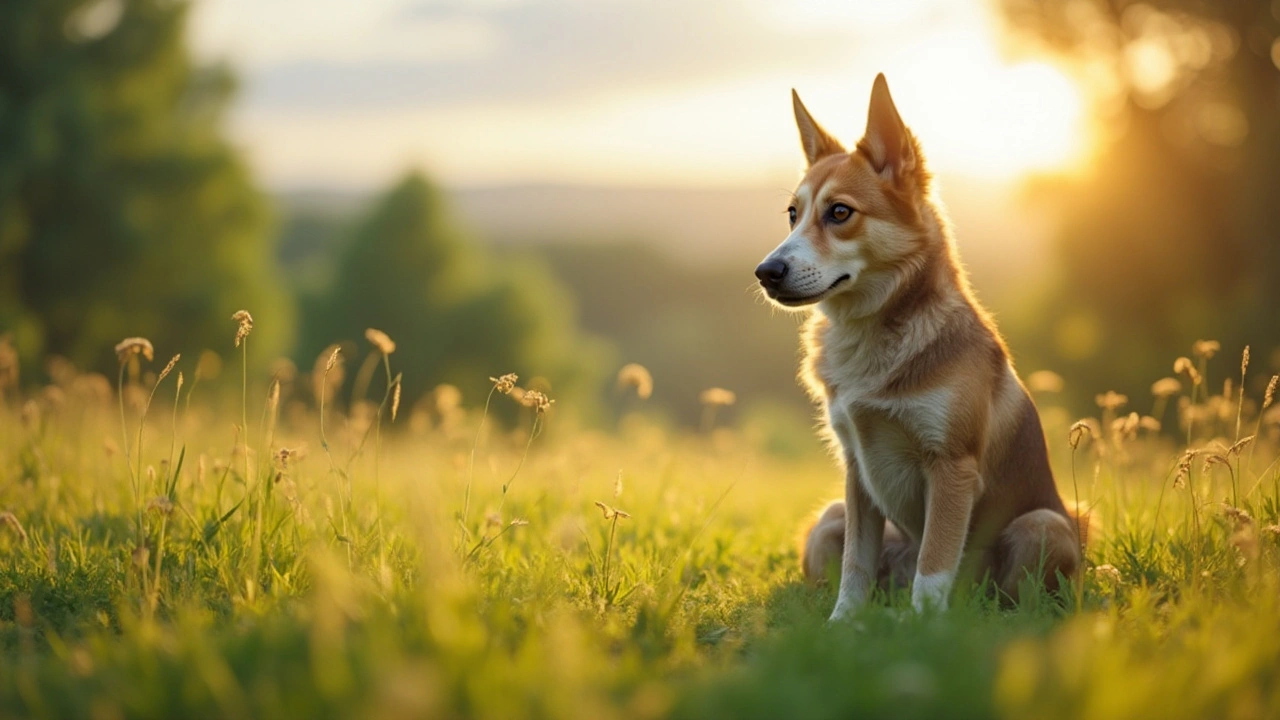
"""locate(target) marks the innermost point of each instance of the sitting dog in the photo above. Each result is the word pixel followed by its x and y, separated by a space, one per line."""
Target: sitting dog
pixel 945 461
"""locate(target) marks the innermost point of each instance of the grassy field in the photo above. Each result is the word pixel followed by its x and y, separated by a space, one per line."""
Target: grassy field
pixel 172 549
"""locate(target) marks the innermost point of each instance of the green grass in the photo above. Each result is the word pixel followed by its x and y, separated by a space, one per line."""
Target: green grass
pixel 345 581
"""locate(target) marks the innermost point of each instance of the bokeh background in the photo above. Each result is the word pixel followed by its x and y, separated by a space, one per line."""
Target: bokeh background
pixel 559 187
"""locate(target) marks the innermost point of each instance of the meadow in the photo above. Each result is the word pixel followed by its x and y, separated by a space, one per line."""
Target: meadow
pixel 310 544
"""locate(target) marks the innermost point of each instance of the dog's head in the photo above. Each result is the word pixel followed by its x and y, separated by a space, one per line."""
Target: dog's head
pixel 856 216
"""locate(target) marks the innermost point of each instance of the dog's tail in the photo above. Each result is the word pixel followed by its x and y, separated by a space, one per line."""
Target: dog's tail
pixel 822 542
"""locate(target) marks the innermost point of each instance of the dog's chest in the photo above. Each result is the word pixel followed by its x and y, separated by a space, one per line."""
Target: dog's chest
pixel 888 442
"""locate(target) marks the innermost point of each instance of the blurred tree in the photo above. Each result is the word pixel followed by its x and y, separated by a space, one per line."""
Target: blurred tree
pixel 456 314
pixel 1173 233
pixel 122 210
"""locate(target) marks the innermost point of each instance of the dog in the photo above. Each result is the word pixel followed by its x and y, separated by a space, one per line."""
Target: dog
pixel 946 470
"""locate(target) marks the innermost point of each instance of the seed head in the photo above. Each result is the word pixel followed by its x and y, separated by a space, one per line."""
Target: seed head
pixel 504 384
pixel 537 400
pixel 395 399
pixel 1244 362
pixel 333 358
pixel 169 368
pixel 1271 392
pixel 1164 387
pixel 161 505
pixel 129 347
pixel 1149 424
pixel 617 485
pixel 1046 381
pixel 717 397
pixel 1080 429
pixel 1111 400
pixel 246 325
pixel 611 512
pixel 380 340
pixel 9 520
pixel 1184 365
pixel 635 375
pixel 1205 348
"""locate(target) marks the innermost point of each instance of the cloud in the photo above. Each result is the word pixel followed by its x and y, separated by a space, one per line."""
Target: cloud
pixel 455 52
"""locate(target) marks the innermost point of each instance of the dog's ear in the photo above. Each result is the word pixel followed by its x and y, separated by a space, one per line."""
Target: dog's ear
pixel 887 141
pixel 816 142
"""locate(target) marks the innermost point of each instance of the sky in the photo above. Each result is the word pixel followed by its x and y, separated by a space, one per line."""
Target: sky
pixel 348 95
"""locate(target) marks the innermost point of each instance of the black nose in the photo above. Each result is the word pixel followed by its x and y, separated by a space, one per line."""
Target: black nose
pixel 771 273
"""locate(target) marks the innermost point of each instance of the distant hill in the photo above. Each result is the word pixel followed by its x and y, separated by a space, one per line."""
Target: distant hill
pixel 1001 239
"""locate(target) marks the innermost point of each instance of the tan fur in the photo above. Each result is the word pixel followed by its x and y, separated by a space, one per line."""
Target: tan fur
pixel 943 452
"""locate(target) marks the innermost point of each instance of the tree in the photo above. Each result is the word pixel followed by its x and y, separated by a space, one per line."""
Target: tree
pixel 122 210
pixel 1173 234
pixel 456 314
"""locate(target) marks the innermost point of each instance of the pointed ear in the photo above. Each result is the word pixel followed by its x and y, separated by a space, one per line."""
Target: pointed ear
pixel 887 141
pixel 815 141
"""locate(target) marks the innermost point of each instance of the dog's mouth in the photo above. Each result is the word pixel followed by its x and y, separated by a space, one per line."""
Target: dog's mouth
pixel 798 300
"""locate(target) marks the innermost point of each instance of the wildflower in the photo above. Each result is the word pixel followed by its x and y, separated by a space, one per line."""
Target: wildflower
pixel 380 340
pixel 1126 425
pixel 1184 365
pixel 283 455
pixel 1108 573
pixel 130 347
pixel 162 505
pixel 1111 400
pixel 717 397
pixel 1045 381
pixel 1165 387
pixel 504 384
pixel 1205 348
pixel 635 375
pixel 246 325
pixel 536 400
pixel 9 520
pixel 611 512
pixel 1239 516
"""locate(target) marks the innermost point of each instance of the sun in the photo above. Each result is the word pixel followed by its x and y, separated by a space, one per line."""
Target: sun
pixel 979 114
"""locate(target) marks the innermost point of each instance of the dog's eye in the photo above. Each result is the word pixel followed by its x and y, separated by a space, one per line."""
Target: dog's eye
pixel 791 214
pixel 840 212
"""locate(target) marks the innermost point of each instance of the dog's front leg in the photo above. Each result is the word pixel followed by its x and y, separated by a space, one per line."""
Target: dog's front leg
pixel 953 489
pixel 863 539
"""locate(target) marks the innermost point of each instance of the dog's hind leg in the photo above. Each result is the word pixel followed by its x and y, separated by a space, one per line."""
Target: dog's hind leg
pixel 824 545
pixel 1041 543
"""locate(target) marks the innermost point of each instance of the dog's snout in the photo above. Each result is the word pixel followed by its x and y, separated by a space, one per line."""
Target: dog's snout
pixel 771 272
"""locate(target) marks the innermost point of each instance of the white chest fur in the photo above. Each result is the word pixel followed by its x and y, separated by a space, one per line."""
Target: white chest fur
pixel 888 441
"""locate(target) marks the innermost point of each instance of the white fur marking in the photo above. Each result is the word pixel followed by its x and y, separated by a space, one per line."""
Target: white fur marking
pixel 932 590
